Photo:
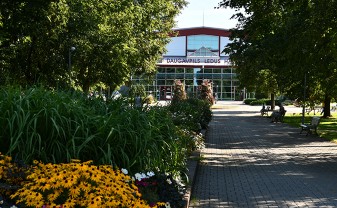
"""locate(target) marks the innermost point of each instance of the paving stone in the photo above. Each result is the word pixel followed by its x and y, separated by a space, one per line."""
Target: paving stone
pixel 250 162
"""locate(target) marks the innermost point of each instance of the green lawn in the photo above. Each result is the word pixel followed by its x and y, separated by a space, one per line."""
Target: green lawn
pixel 327 128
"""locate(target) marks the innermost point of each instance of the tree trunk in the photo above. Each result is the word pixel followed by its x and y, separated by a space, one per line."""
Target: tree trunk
pixel 272 98
pixel 86 86
pixel 327 101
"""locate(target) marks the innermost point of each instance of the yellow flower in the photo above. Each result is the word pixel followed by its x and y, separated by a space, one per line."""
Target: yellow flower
pixel 53 196
pixel 70 203
pixel 74 191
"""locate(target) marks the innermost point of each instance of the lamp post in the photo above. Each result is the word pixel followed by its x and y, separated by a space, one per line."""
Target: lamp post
pixel 71 49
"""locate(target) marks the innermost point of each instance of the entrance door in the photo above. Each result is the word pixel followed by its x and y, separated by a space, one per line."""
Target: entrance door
pixel 165 92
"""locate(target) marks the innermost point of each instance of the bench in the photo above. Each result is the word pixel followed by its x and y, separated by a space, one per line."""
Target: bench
pixel 264 111
pixel 277 116
pixel 312 126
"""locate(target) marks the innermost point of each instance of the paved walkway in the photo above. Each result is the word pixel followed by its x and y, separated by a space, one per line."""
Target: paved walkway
pixel 250 162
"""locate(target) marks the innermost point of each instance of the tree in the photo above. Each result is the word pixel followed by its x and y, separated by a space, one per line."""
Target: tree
pixel 294 39
pixel 113 39
pixel 29 44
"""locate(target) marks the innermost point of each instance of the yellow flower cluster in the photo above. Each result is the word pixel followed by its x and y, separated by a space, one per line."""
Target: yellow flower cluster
pixel 5 164
pixel 78 184
pixel 11 174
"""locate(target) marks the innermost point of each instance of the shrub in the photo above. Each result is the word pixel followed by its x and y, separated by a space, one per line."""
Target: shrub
pixel 249 100
pixel 149 99
pixel 259 102
pixel 191 114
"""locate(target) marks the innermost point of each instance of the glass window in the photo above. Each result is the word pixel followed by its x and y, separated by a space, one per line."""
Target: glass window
pixel 169 82
pixel 180 70
pixel 161 70
pixel 180 76
pixel 189 70
pixel 170 70
pixel 207 76
pixel 160 76
pixel 194 42
pixel 161 82
pixel 189 82
pixel 227 89
pixel 227 70
pixel 226 83
pixel 170 76
pixel 226 76
pixel 216 70
pixel 217 83
pixel 216 76
pixel 207 70
pixel 189 76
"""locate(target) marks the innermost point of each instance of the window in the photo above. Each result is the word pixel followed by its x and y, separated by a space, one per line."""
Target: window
pixel 180 70
pixel 194 42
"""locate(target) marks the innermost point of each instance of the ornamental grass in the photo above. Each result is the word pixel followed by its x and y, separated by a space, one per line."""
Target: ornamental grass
pixel 55 127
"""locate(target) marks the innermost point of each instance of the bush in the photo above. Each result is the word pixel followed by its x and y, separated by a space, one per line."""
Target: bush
pixel 192 114
pixel 249 100
pixel 259 102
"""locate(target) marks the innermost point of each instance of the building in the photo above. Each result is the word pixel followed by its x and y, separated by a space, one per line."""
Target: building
pixel 193 55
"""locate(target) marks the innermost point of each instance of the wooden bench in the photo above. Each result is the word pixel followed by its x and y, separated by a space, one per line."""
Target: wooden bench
pixel 312 126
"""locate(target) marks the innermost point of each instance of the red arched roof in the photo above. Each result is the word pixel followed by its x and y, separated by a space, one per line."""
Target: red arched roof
pixel 202 31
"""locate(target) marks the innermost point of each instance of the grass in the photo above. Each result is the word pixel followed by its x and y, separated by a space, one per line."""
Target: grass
pixel 327 128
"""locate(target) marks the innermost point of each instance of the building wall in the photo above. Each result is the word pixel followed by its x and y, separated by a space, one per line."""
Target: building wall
pixel 193 55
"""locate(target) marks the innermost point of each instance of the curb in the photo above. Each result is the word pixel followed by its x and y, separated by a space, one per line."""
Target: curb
pixel 192 167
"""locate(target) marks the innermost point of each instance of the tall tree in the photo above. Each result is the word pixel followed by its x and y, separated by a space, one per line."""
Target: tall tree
pixel 297 39
pixel 29 42
pixel 112 39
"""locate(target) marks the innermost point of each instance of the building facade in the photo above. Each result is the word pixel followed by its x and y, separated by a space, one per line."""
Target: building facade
pixel 193 55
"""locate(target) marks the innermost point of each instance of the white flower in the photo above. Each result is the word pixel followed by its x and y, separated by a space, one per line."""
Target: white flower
pixel 138 176
pixel 13 206
pixel 1 202
pixel 169 181
pixel 167 205
pixel 125 171
pixel 150 174
pixel 143 175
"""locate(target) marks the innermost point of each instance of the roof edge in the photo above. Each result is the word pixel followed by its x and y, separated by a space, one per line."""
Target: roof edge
pixel 201 31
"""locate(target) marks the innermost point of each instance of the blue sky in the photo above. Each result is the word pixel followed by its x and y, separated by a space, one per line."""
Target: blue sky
pixel 202 13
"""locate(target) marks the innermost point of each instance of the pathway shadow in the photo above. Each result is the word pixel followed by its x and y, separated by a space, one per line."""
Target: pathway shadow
pixel 250 162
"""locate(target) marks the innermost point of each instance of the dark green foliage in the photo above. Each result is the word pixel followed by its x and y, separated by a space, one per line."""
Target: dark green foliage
pixel 249 100
pixel 162 188
pixel 191 114
pixel 52 126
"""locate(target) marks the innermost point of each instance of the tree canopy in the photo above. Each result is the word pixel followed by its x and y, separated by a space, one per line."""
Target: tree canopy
pixel 292 39
pixel 111 40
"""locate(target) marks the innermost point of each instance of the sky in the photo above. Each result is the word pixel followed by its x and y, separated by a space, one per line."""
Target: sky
pixel 202 13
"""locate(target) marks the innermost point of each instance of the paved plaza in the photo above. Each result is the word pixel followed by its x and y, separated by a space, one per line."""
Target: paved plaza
pixel 250 162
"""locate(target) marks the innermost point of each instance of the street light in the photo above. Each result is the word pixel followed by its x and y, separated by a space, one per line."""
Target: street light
pixel 71 49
